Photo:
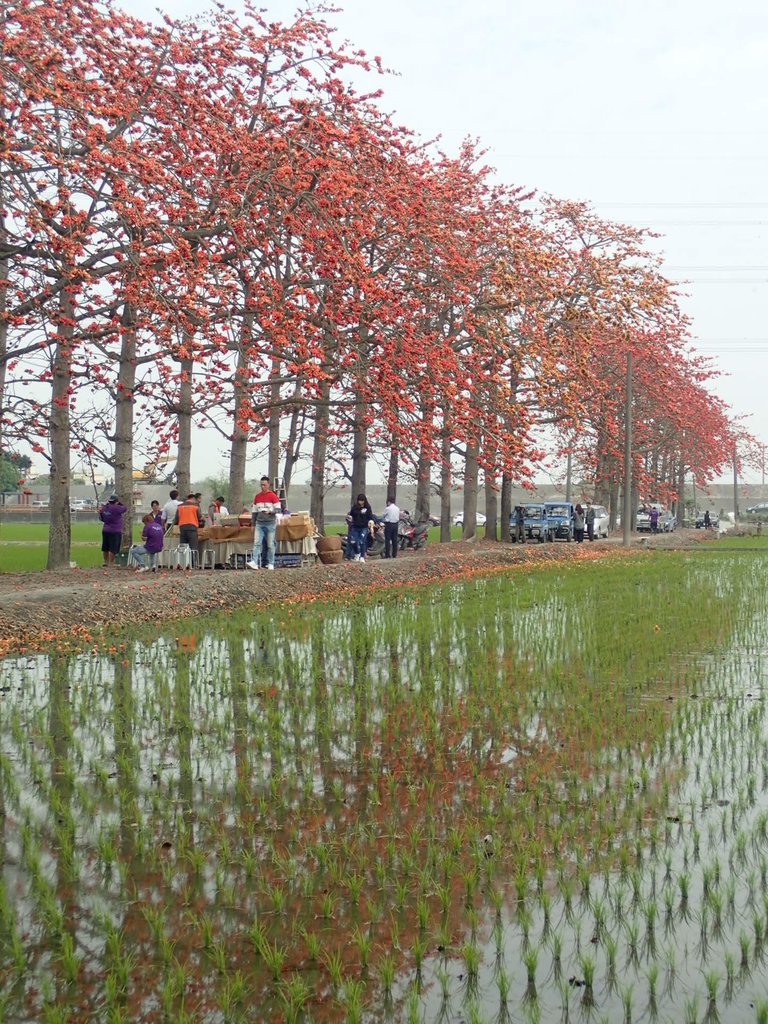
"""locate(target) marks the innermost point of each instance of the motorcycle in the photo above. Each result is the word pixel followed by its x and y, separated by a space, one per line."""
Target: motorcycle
pixel 410 534
pixel 375 541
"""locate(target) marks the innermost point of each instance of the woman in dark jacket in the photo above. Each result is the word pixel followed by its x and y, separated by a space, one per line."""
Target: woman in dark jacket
pixel 360 521
pixel 579 519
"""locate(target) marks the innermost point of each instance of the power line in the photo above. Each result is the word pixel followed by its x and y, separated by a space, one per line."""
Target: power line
pixel 685 206
pixel 742 269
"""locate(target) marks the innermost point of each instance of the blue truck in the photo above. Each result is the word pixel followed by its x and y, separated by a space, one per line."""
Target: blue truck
pixel 560 517
pixel 546 521
pixel 536 523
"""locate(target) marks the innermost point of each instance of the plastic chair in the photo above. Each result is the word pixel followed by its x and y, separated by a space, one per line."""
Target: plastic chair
pixel 208 561
pixel 186 557
pixel 167 558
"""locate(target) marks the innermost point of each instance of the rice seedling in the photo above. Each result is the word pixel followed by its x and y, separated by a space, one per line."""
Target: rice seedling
pixel 294 995
pixel 263 851
pixel 386 970
pixel 335 966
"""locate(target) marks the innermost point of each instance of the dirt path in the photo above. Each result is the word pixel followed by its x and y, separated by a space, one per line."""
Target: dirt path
pixel 37 608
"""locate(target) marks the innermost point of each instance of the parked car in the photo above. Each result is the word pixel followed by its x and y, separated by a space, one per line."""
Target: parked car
pixel 459 519
pixel 713 520
pixel 601 521
pixel 760 509
pixel 39 504
pixel 666 523
pixel 560 517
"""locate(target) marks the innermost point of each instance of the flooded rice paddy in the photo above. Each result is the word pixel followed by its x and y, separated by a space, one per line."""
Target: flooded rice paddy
pixel 532 797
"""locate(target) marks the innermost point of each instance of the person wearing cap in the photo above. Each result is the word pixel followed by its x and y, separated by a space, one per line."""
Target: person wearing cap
pixel 112 517
pixel 189 520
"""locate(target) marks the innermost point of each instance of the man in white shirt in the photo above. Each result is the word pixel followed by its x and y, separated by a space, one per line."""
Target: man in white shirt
pixel 168 515
pixel 391 519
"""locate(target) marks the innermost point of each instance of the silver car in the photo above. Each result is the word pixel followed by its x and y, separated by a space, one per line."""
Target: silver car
pixel 666 523
pixel 601 521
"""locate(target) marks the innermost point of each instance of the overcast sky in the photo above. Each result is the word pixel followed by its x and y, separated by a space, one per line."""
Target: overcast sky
pixel 656 113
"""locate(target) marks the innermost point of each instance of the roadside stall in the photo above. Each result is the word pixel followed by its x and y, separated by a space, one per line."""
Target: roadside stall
pixel 229 544
pixel 295 540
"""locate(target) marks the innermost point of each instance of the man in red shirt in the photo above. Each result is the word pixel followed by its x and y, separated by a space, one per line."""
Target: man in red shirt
pixel 266 505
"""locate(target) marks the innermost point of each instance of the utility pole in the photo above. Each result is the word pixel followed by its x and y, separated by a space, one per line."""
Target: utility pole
pixel 626 516
pixel 735 489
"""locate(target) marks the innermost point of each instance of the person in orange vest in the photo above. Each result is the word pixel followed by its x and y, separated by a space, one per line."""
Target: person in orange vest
pixel 188 519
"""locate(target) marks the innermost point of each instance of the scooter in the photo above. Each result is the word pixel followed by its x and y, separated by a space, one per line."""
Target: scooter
pixel 410 534
pixel 375 542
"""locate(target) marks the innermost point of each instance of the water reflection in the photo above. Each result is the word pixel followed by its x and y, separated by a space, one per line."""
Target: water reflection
pixel 469 800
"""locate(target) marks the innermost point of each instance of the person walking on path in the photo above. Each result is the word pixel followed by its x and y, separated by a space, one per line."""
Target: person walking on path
pixel 654 520
pixel 145 555
pixel 112 516
pixel 266 505
pixel 578 524
pixel 391 519
pixel 360 520
pixel 590 520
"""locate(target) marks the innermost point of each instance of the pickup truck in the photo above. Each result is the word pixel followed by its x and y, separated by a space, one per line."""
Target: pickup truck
pixel 536 524
pixel 560 517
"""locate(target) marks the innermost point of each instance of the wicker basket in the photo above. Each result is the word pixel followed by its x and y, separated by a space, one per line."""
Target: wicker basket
pixel 330 557
pixel 328 544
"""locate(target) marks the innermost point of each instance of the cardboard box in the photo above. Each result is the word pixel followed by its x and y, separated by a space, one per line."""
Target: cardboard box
pixel 300 517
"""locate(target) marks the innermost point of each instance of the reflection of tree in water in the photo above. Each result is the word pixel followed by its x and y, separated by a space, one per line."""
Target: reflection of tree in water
pixel 125 753
pixel 239 697
pixel 183 729
pixel 321 703
pixel 62 788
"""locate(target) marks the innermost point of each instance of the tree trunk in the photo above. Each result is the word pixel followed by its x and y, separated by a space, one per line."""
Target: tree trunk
pixel 124 406
pixel 392 474
pixel 445 486
pixel 469 529
pixel 491 506
pixel 184 414
pixel 59 530
pixel 680 501
pixel 423 485
pixel 238 449
pixel 4 265
pixel 293 441
pixel 603 477
pixel 319 449
pixel 359 448
pixel 241 385
pixel 506 508
pixel 273 461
